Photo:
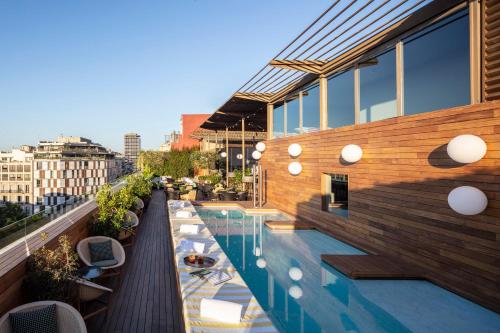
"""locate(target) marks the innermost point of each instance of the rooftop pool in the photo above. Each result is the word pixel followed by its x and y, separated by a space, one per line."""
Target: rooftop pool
pixel 301 294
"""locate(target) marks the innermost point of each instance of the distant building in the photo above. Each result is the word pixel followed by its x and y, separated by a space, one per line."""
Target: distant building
pixel 16 176
pixel 56 171
pixel 189 123
pixel 132 150
pixel 71 167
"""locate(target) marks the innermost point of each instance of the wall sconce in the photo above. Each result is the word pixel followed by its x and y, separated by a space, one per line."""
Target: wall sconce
pixel 295 168
pixel 351 153
pixel 239 156
pixel 257 251
pixel 295 291
pixel 223 154
pixel 466 148
pixel 294 149
pixel 467 200
pixel 256 155
pixel 295 273
pixel 260 146
pixel 261 263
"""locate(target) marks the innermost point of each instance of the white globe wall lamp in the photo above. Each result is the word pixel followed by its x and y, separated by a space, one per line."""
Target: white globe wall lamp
pixel 260 146
pixel 256 155
pixel 467 200
pixel 261 263
pixel 239 156
pixel 294 150
pixel 295 168
pixel 466 148
pixel 223 154
pixel 351 153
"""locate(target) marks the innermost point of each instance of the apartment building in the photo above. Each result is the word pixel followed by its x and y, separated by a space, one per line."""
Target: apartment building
pixel 132 142
pixel 16 175
pixel 71 167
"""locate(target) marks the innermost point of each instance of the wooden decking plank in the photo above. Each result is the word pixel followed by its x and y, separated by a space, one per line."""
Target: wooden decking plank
pixel 148 299
pixel 371 267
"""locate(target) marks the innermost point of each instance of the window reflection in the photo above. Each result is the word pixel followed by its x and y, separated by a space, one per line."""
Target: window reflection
pixel 310 109
pixel 378 88
pixel 436 66
pixel 341 100
pixel 278 121
pixel 293 116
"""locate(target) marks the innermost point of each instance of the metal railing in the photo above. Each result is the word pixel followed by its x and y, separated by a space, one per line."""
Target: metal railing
pixel 21 228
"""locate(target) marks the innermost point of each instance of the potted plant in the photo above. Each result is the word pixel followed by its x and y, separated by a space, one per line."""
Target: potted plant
pixel 50 273
pixel 112 211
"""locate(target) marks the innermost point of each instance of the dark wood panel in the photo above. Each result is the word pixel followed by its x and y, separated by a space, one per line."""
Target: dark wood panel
pixel 398 193
pixel 491 49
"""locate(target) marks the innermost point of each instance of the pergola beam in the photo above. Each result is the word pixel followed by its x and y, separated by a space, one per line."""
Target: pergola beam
pixel 261 97
pixel 307 66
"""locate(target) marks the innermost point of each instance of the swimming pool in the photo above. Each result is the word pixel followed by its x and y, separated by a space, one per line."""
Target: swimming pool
pixel 301 294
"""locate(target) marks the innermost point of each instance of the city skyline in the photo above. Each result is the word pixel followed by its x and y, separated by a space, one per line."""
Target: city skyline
pixel 100 70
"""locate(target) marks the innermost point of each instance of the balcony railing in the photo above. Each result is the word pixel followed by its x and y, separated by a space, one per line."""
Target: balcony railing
pixel 14 231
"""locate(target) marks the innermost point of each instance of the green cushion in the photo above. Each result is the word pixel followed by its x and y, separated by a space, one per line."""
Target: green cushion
pixel 105 263
pixel 43 320
pixel 100 251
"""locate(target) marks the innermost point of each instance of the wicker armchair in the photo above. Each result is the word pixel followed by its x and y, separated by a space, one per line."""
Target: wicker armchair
pixel 90 292
pixel 82 248
pixel 68 318
pixel 139 206
pixel 128 231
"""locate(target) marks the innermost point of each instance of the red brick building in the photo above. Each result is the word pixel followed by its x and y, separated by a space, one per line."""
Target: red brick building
pixel 189 123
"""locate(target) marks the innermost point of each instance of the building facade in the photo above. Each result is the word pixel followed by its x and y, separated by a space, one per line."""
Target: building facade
pixel 16 176
pixel 189 123
pixel 70 167
pixel 56 172
pixel 132 148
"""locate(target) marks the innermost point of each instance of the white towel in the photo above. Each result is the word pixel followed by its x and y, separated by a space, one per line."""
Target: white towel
pixel 184 214
pixel 224 311
pixel 190 246
pixel 189 229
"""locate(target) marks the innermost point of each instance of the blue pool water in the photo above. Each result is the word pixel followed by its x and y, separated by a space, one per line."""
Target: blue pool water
pixel 301 294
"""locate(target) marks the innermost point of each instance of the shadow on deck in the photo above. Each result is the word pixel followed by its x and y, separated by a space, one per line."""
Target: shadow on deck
pixel 148 299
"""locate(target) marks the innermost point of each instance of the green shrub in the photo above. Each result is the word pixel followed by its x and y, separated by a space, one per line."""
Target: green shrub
pixel 139 185
pixel 179 164
pixel 111 211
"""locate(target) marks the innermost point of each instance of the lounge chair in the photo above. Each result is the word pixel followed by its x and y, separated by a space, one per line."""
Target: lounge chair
pixel 82 248
pixel 128 230
pixel 91 293
pixel 68 318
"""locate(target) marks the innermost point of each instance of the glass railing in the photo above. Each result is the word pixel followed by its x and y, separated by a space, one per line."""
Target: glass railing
pixel 21 228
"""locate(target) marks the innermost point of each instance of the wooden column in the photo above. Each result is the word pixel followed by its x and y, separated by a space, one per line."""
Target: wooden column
pixel 399 79
pixel 323 102
pixel 270 128
pixel 227 157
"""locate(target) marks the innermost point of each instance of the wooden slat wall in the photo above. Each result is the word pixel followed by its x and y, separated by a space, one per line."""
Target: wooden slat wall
pixel 398 193
pixel 491 49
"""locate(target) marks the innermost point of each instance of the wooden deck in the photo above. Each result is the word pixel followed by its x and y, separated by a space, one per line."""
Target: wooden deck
pixel 371 267
pixel 148 298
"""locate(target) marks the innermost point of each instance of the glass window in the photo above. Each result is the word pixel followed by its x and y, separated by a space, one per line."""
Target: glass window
pixel 310 109
pixel 293 116
pixel 279 121
pixel 436 66
pixel 341 100
pixel 378 88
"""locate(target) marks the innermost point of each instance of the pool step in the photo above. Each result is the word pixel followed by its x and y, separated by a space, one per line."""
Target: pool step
pixel 372 267
pixel 288 225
